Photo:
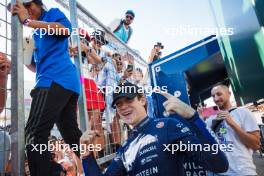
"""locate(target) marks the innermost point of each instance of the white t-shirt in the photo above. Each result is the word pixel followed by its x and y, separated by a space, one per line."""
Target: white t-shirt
pixel 126 30
pixel 240 158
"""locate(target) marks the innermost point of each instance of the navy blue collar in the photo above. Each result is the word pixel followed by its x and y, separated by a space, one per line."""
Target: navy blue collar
pixel 139 127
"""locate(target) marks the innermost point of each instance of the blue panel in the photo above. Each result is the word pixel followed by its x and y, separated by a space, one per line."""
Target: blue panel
pixel 169 71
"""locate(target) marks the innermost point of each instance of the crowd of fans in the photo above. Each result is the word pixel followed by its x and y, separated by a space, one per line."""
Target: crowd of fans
pixel 105 71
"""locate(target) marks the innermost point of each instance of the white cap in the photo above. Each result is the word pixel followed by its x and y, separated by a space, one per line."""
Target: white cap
pixel 26 1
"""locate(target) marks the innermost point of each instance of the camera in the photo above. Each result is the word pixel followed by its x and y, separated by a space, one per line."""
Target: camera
pixel 159 53
pixel 159 44
pixel 130 68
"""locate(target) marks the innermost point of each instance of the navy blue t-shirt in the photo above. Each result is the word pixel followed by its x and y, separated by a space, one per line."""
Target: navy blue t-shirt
pixel 51 57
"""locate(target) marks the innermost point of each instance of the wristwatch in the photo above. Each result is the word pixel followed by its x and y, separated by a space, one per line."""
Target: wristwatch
pixel 26 22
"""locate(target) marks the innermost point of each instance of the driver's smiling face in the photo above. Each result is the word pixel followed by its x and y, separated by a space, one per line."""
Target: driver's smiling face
pixel 131 110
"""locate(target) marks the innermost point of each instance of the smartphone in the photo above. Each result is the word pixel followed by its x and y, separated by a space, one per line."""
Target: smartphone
pixel 9 6
pixel 130 68
pixel 28 47
pixel 206 112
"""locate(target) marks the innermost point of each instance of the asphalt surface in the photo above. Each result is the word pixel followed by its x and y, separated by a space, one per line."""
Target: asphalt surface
pixel 259 162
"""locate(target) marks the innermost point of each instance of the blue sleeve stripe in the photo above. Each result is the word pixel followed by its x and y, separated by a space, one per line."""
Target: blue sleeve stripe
pixel 90 167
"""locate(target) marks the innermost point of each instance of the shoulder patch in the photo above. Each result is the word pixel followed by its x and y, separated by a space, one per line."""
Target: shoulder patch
pixel 179 125
pixel 185 130
pixel 160 125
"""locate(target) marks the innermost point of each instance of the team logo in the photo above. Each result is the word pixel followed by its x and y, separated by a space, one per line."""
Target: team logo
pixel 160 125
pixel 179 125
pixel 185 129
pixel 143 161
pixel 223 130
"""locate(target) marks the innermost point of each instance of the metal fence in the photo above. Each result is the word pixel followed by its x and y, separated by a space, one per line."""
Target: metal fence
pixel 5 88
pixel 94 111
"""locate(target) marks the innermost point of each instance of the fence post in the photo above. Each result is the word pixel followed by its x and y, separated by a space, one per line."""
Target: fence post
pixel 78 60
pixel 17 98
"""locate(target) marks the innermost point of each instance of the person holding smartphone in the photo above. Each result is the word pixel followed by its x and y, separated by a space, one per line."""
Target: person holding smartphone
pixel 156 52
pixel 236 127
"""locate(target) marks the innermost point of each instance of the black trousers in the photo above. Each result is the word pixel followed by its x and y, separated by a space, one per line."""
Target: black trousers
pixel 49 106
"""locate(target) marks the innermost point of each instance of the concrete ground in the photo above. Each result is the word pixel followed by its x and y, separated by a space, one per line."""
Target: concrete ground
pixel 259 162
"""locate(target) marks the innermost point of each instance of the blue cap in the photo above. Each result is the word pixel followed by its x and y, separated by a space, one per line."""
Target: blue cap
pixel 126 89
pixel 131 13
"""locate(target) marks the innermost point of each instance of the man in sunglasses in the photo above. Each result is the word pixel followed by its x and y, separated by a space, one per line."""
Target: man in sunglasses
pixel 121 28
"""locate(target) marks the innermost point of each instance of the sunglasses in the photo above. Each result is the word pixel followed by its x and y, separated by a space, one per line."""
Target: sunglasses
pixel 139 70
pixel 99 43
pixel 130 17
pixel 117 58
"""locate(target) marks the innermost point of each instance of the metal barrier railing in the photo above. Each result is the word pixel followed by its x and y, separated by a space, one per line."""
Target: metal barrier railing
pixel 11 94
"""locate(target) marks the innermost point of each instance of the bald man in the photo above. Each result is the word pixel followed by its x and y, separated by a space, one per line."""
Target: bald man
pixel 237 129
pixel 5 143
